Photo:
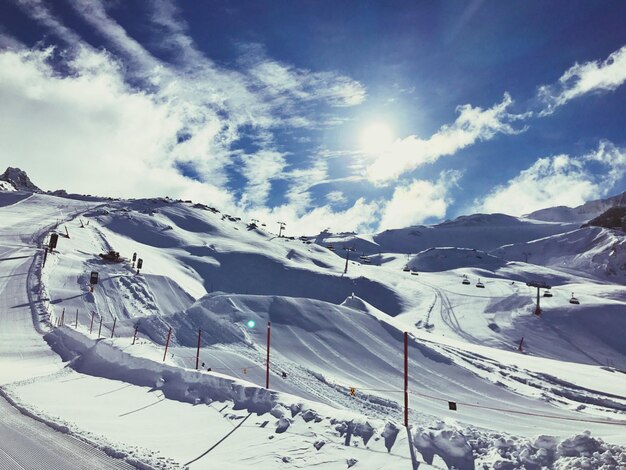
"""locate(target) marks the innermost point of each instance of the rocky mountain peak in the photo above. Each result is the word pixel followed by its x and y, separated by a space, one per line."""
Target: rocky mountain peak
pixel 19 179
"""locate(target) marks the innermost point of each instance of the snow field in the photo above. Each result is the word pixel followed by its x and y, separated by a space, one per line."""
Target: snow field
pixel 462 348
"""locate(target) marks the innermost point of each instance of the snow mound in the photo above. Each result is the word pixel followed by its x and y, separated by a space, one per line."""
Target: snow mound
pixel 229 257
pixel 447 258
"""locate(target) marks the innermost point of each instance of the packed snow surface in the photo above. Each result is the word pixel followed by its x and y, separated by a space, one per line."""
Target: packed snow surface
pixel 490 384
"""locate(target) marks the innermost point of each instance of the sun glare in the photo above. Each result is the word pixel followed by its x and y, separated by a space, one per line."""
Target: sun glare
pixel 376 138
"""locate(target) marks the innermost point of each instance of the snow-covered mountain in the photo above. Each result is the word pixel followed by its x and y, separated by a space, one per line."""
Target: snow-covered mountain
pixel 490 384
pixel 477 231
pixel 15 179
pixel 580 214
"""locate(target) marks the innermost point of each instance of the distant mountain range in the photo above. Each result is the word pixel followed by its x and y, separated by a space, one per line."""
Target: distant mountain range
pixel 582 213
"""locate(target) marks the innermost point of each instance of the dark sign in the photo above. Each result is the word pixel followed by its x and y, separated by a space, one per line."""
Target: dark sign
pixel 139 263
pixel 93 279
pixel 54 238
pixel 134 257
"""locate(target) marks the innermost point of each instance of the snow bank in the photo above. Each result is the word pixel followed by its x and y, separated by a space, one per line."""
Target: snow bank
pixel 469 448
pixel 100 358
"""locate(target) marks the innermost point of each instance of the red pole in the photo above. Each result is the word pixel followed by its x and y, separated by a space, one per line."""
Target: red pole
pixel 267 362
pixel 198 350
pixel 100 328
pixel 135 335
pixel 113 329
pixel 406 379
pixel 91 325
pixel 167 343
pixel 76 319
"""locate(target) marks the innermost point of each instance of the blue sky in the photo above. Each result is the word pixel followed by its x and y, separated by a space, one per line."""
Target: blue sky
pixel 352 115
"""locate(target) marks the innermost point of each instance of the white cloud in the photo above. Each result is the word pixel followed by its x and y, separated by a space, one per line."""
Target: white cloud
pixel 418 201
pixel 580 79
pixel 558 180
pixel 260 169
pixel 301 180
pixel 283 82
pixel 336 197
pixel 118 144
pixel 361 216
pixel 472 124
pixel 191 112
pixel 40 12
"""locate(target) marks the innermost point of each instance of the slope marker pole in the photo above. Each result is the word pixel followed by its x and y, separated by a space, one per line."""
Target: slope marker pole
pixel 267 362
pixel 167 343
pixel 406 379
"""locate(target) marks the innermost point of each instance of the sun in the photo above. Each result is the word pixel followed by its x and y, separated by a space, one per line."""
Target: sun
pixel 376 138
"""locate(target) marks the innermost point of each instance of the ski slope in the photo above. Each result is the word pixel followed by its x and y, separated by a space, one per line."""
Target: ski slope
pixel 331 332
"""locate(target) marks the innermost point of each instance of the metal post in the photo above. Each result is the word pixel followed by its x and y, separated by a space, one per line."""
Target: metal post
pixel 267 362
pixel 91 325
pixel 538 309
pixel 76 325
pixel 345 270
pixel 406 379
pixel 135 335
pixel 198 350
pixel 63 317
pixel 113 329
pixel 167 343
pixel 45 256
pixel 100 328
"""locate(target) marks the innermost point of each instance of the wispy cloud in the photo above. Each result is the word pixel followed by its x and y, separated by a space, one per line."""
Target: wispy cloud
pixel 472 124
pixel 287 85
pixel 41 13
pixel 418 201
pixel 558 180
pixel 261 169
pixel 581 79
pixel 336 197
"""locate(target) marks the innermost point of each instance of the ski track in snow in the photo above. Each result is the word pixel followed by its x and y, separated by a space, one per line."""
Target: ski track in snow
pixel 461 350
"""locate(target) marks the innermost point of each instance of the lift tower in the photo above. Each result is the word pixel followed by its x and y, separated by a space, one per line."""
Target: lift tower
pixel 538 285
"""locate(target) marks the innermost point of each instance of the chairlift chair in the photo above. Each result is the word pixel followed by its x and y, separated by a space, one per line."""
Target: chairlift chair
pixel 466 282
pixel 547 293
pixel 480 285
pixel 406 269
pixel 574 300
pixel 415 273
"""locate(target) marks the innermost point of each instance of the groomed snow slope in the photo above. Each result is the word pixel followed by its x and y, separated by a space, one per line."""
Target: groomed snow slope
pixel 478 231
pixel 462 343
pixel 592 251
